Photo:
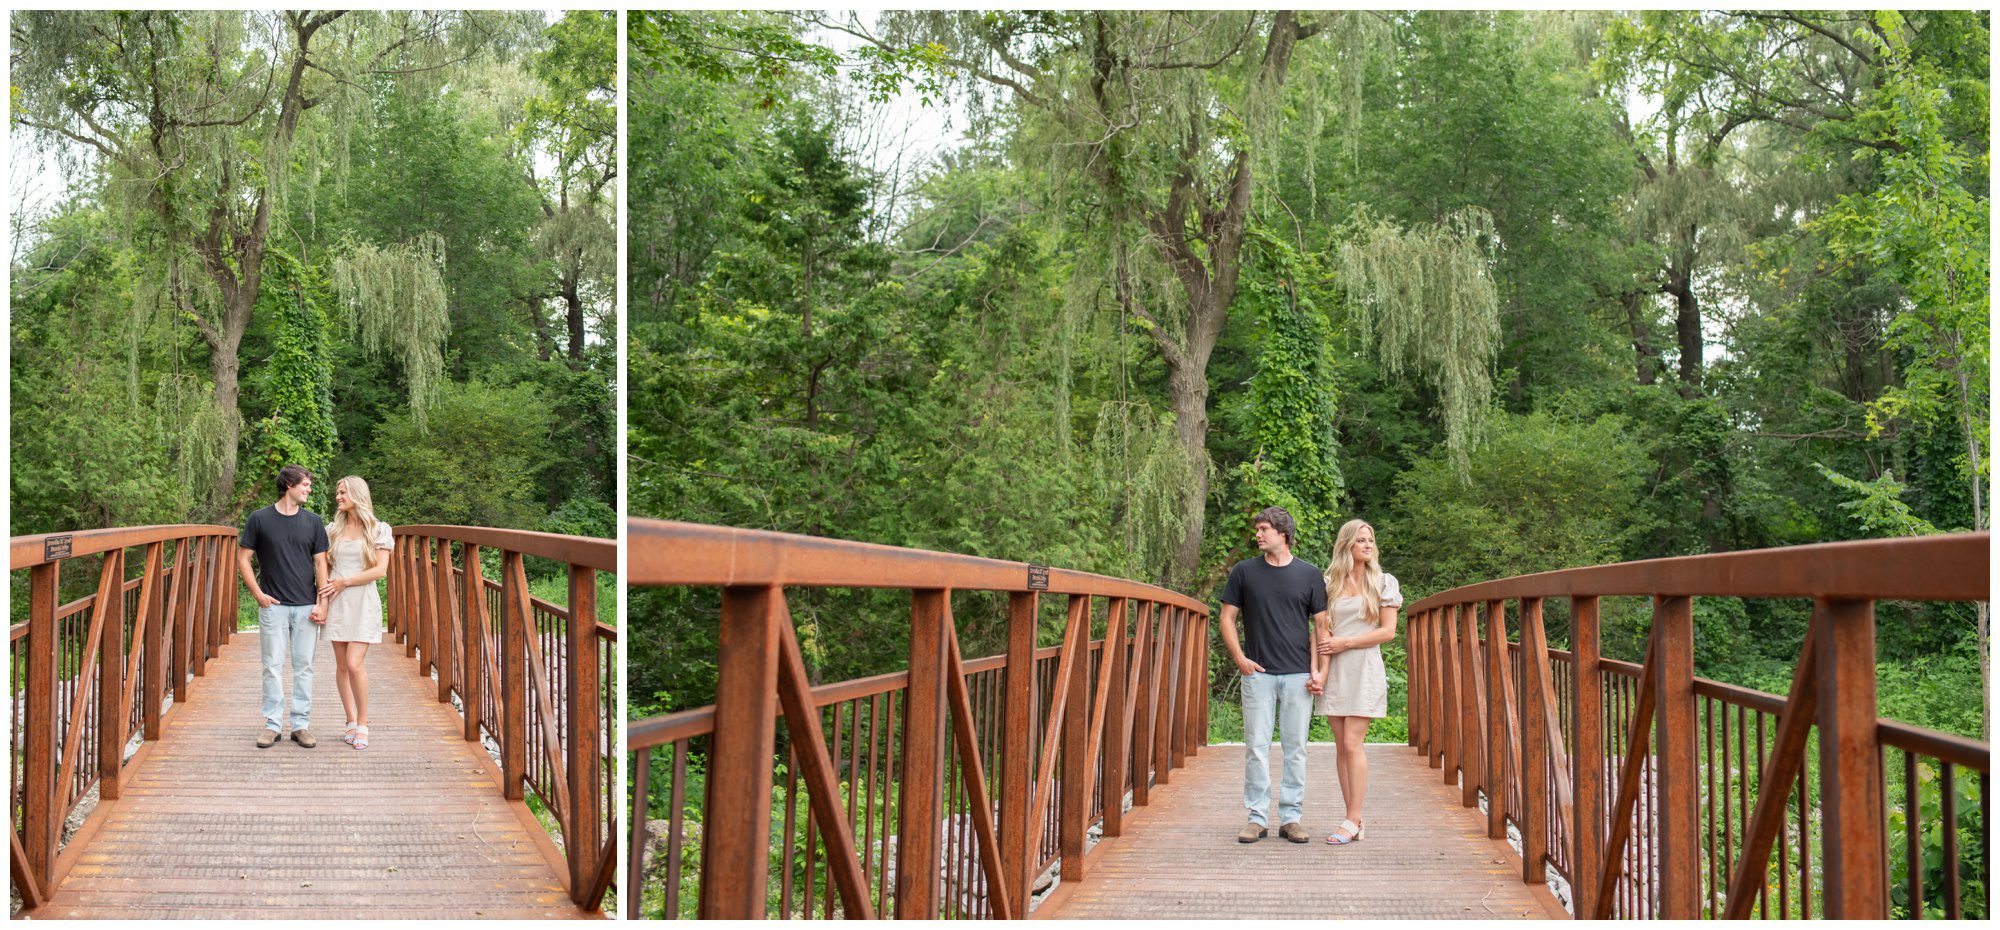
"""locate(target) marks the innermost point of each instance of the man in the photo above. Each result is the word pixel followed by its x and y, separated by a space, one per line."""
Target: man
pixel 289 542
pixel 1280 598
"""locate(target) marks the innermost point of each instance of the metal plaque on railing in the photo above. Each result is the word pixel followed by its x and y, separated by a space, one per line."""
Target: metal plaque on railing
pixel 1038 577
pixel 55 547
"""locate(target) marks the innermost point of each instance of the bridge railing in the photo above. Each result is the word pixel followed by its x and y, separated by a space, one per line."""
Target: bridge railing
pixel 534 678
pixel 1659 794
pixel 940 790
pixel 91 672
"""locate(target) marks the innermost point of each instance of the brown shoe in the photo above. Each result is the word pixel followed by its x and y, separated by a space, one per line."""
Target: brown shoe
pixel 1294 832
pixel 1252 832
pixel 266 739
pixel 305 739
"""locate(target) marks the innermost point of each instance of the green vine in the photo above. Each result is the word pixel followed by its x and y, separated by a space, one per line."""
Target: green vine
pixel 297 379
pixel 1292 396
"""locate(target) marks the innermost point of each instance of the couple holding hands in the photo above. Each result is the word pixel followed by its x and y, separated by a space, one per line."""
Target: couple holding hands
pixel 313 582
pixel 1311 643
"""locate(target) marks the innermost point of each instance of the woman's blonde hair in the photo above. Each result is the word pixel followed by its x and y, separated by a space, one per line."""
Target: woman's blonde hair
pixel 1341 564
pixel 364 511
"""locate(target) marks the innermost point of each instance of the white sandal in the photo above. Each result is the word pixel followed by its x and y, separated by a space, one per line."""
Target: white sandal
pixel 348 733
pixel 360 740
pixel 1349 827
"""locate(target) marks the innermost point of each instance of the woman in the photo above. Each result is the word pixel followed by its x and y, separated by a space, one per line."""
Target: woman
pixel 1347 667
pixel 360 545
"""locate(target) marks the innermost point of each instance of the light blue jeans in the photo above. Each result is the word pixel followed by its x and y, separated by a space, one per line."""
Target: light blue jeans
pixel 1280 699
pixel 281 630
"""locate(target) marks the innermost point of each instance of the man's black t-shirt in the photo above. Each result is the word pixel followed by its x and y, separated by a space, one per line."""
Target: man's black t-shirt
pixel 1278 605
pixel 285 547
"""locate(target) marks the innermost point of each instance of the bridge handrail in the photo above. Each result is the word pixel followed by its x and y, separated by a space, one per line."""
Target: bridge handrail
pixel 582 551
pixel 1146 707
pixel 538 678
pixel 1486 710
pixel 1949 747
pixel 1946 567
pixel 30 551
pixel 81 692
pixel 663 552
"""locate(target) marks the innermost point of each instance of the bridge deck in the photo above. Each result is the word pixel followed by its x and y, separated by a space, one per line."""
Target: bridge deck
pixel 1425 856
pixel 211 826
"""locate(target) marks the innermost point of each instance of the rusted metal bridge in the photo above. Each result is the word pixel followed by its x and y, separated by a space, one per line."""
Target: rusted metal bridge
pixel 137 791
pixel 950 789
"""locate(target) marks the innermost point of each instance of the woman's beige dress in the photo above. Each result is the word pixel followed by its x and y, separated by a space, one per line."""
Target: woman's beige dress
pixel 1356 684
pixel 356 613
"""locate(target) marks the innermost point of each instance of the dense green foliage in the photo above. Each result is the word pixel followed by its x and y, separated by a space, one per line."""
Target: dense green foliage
pixel 1738 261
pixel 419 226
pixel 1527 291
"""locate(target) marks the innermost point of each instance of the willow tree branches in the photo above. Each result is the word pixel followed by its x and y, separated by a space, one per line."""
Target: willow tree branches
pixel 394 300
pixel 1427 299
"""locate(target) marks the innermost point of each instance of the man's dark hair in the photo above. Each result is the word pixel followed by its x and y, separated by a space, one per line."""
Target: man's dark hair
pixel 1280 521
pixel 290 476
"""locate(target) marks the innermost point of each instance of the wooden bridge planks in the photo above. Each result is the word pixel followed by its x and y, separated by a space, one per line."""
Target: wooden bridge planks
pixel 414 826
pixel 1425 857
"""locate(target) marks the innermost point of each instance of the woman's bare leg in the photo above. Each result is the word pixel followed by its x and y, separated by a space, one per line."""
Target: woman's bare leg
pixel 357 676
pixel 340 679
pixel 1354 765
pixel 1335 724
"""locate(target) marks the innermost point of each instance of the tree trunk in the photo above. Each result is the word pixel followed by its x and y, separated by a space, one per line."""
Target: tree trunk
pixel 232 253
pixel 1687 322
pixel 545 344
pixel 225 359
pixel 574 302
pixel 238 277
pixel 1861 351
pixel 1187 396
pixel 1197 229
pixel 1221 220
pixel 1974 458
pixel 223 371
pixel 1647 358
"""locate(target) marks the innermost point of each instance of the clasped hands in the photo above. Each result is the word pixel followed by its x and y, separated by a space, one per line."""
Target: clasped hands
pixel 318 612
pixel 1327 646
pixel 327 591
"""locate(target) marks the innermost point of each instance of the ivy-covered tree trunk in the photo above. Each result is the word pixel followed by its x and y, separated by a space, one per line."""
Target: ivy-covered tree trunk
pixel 296 380
pixel 1292 398
pixel 225 335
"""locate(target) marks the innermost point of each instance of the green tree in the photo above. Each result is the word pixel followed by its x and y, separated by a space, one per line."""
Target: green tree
pixel 1927 228
pixel 574 123
pixel 1174 173
pixel 1494 112
pixel 206 119
pixel 435 164
pixel 1497 524
pixel 93 441
pixel 475 462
